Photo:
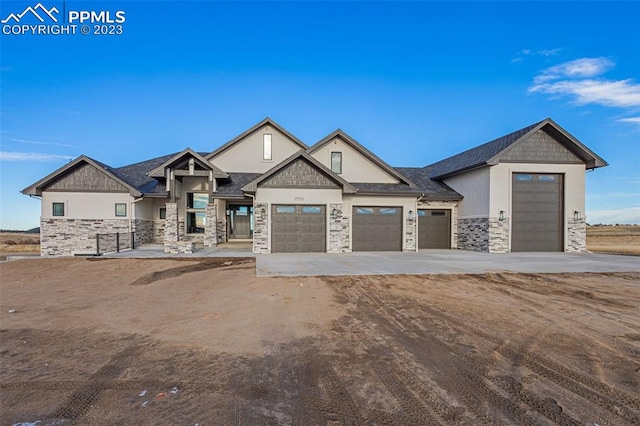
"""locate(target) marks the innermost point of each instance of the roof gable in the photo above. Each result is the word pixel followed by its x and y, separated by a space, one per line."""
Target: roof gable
pixel 361 150
pixel 300 170
pixel 539 146
pixel 243 135
pixel 183 157
pixel 490 153
pixel 82 174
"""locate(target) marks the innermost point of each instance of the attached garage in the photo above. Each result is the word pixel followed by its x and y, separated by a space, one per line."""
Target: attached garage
pixel 537 212
pixel 434 229
pixel 298 229
pixel 377 228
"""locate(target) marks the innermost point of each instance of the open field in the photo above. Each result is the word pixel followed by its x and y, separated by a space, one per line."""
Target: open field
pixel 19 242
pixel 131 341
pixel 623 239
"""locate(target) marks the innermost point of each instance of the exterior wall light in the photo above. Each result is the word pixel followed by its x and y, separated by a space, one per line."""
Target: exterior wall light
pixel 334 213
pixel 411 214
pixel 577 215
pixel 502 215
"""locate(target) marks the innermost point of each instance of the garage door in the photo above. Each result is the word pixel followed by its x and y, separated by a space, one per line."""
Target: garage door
pixel 377 228
pixel 298 229
pixel 537 218
pixel 434 229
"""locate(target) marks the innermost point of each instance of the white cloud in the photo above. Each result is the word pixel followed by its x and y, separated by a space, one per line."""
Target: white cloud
pixel 581 80
pixel 578 68
pixel 620 93
pixel 529 52
pixel 628 215
pixel 32 142
pixel 632 120
pixel 31 156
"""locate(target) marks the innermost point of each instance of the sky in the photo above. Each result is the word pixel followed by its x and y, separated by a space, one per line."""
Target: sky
pixel 415 82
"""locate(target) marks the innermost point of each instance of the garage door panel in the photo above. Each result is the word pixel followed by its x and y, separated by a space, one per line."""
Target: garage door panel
pixel 377 228
pixel 537 212
pixel 297 229
pixel 434 229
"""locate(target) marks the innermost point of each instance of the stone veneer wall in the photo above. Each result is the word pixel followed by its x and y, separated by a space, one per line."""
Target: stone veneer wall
pixel 345 233
pixel 171 227
pixel 210 238
pixel 64 237
pixel 451 205
pixel 158 230
pixel 221 231
pixel 410 232
pixel 473 234
pixel 335 228
pixel 489 235
pixel 144 232
pixel 498 235
pixel 261 228
pixel 576 236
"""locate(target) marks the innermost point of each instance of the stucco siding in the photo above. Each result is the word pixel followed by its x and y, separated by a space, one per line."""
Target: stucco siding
pixel 475 187
pixel 355 166
pixel 246 155
pixel 85 205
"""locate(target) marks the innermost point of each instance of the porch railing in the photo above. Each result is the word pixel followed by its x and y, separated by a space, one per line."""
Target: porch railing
pixel 114 242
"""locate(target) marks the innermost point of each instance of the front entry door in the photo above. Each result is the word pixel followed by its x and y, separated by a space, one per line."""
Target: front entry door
pixel 240 222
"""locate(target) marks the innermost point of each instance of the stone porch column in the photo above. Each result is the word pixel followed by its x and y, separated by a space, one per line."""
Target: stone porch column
pixel 210 228
pixel 171 225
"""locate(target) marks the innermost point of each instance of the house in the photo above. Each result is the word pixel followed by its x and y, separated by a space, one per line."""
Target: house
pixel 522 192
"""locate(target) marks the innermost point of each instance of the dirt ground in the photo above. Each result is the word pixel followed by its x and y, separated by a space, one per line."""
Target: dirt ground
pixel 130 341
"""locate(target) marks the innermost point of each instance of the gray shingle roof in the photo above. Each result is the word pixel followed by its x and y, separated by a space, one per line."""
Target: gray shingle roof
pixel 136 175
pixel 232 186
pixel 475 157
pixel 431 189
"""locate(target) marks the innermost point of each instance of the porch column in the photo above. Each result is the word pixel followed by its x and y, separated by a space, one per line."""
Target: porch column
pixel 210 232
pixel 171 225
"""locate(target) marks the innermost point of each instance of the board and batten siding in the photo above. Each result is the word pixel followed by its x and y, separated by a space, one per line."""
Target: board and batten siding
pixel 86 178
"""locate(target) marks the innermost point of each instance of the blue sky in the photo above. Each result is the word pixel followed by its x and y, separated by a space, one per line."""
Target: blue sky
pixel 415 82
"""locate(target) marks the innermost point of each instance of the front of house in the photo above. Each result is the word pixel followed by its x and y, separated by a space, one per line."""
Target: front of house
pixel 522 192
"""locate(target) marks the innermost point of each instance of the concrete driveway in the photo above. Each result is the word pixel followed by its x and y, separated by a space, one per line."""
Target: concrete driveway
pixel 438 262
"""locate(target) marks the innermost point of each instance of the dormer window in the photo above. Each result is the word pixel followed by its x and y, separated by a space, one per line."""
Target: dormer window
pixel 336 162
pixel 266 147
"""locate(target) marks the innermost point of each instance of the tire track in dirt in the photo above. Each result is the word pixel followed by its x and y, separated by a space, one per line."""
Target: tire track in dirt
pixel 584 386
pixel 503 283
pixel 89 392
pixel 458 379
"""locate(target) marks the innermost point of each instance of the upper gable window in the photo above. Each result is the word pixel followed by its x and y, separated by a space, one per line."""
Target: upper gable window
pixel 336 162
pixel 267 153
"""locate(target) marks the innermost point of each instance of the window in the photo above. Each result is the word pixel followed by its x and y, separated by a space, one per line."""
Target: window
pixel 389 211
pixel 364 210
pixel 422 213
pixel 336 162
pixel 196 216
pixel 121 209
pixel 58 209
pixel 266 147
pixel 285 209
pixel 197 201
pixel 311 210
pixel 524 178
pixel 546 178
pixel 196 222
pixel 163 212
